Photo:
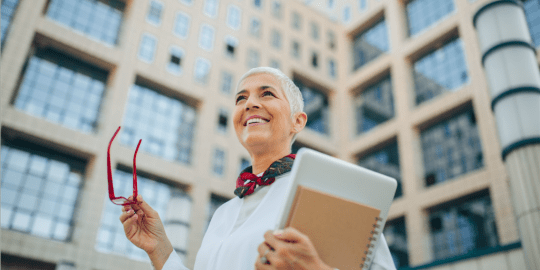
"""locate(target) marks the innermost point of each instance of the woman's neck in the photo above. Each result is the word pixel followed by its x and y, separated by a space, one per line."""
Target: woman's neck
pixel 261 162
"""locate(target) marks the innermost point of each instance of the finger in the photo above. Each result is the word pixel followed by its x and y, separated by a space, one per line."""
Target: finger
pixel 142 205
pixel 129 224
pixel 126 215
pixel 260 266
pixel 290 235
pixel 272 241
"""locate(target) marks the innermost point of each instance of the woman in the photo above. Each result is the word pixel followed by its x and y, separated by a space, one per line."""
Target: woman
pixel 267 117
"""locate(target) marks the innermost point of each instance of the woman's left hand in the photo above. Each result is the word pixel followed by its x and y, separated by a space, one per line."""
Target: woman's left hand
pixel 288 249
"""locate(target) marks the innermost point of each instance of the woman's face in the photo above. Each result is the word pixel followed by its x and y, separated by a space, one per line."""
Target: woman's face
pixel 262 114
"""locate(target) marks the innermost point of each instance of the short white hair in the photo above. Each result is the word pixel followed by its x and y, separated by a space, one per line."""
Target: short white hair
pixel 292 92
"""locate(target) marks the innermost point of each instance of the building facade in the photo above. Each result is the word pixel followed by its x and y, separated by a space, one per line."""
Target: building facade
pixel 394 86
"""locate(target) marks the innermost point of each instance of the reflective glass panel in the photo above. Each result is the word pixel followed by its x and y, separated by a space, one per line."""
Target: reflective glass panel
pixel 396 238
pixel 374 106
pixel 7 11
pixel 316 107
pixel 532 12
pixel 369 44
pixel 424 13
pixel 384 161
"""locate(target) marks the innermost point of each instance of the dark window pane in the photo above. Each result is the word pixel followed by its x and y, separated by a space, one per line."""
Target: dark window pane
pixel 315 106
pixel 396 238
pixel 450 156
pixel 369 44
pixel 384 161
pixel 424 13
pixel 374 106
pixel 7 11
pixel 215 203
pixel 532 11
pixel 441 71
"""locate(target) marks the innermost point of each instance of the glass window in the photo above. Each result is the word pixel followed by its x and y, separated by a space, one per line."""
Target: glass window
pixel 440 71
pixel 362 5
pixel 331 39
pixel 374 106
pixel 384 161
pixel 10 262
pixel 181 25
pixel 314 59
pixel 215 203
pixel 8 10
pixel 230 45
pixel 295 49
pixel 463 226
pixel 369 44
pixel 396 238
pixel 147 48
pixel 98 19
pixel 244 163
pixel 532 12
pixel 187 2
pixel 255 27
pixel 423 14
pixel 257 3
pixel 218 164
pixel 315 106
pixel 165 124
pixel 253 59
pixel 202 70
pixel 62 90
pixel 296 20
pixel 154 12
pixel 451 148
pixel 276 39
pixel 222 120
pixel 226 82
pixel 175 62
pixel 206 37
pixel 332 68
pixel 276 9
pixel 275 64
pixel 314 30
pixel 234 17
pixel 211 8
pixel 171 203
pixel 39 190
pixel 331 4
pixel 346 14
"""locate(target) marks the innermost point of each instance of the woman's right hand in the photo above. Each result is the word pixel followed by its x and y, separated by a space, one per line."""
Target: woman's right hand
pixel 144 229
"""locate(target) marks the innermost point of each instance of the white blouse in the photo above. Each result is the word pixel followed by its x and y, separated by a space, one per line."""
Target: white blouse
pixel 237 229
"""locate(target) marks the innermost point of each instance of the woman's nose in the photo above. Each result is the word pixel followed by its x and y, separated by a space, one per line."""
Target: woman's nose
pixel 252 102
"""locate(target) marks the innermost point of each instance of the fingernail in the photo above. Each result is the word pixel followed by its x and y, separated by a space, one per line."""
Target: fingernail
pixel 278 232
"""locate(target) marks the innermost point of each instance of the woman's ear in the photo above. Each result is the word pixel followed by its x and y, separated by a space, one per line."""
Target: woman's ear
pixel 299 121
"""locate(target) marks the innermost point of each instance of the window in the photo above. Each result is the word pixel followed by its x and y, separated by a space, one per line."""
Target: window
pixel 276 39
pixel 230 45
pixel 255 27
pixel 202 70
pixel 296 21
pixel 187 2
pixel 147 48
pixel 440 71
pixel 39 190
pixel 314 30
pixel 222 120
pixel 8 10
pixel 226 82
pixel 315 106
pixel 276 9
pixel 244 163
pixel 98 19
pixel 532 12
pixel 275 64
pixel 295 49
pixel 314 59
pixel 211 8
pixel 215 203
pixel 172 204
pixel 154 12
pixel 370 44
pixel 62 90
pixel 463 226
pixel 451 148
pixel 396 238
pixel 253 59
pixel 346 14
pixel 423 14
pixel 331 39
pixel 234 17
pixel 165 124
pixel 362 5
pixel 181 25
pixel 218 165
pixel 175 62
pixel 332 68
pixel 257 3
pixel 374 106
pixel 331 4
pixel 10 262
pixel 384 161
pixel 206 37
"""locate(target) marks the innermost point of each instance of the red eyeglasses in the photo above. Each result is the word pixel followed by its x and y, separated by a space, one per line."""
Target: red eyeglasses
pixel 121 200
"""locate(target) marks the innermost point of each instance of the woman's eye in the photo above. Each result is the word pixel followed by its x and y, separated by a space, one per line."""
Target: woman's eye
pixel 239 98
pixel 268 93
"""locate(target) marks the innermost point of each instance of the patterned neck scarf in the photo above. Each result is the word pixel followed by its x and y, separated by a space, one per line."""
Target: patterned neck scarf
pixel 247 181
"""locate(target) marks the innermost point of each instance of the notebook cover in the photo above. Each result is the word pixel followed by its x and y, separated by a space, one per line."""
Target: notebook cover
pixel 341 230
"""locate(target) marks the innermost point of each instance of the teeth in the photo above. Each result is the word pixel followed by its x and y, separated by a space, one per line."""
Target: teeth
pixel 255 120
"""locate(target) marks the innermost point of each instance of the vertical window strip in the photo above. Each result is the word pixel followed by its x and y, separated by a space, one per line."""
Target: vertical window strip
pixel 385 161
pixel 211 8
pixel 181 25
pixel 219 162
pixel 532 12
pixel 202 70
pixel 206 37
pixel 7 10
pixel 374 106
pixel 370 44
pixel 424 14
pixel 147 48
pixel 234 17
pixel 174 65
pixel 154 12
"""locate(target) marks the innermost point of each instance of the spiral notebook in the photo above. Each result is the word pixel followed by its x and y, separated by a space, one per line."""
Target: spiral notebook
pixel 342 208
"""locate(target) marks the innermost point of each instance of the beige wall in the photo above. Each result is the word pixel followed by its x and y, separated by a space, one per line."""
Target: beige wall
pixel 30 27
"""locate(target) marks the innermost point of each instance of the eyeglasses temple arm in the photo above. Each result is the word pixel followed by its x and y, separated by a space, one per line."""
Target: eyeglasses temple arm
pixel 135 191
pixel 109 171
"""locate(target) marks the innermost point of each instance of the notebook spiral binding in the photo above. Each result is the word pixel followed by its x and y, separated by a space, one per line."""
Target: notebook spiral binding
pixel 368 255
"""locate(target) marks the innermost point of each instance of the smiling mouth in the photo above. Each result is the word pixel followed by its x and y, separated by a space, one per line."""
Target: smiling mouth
pixel 255 122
